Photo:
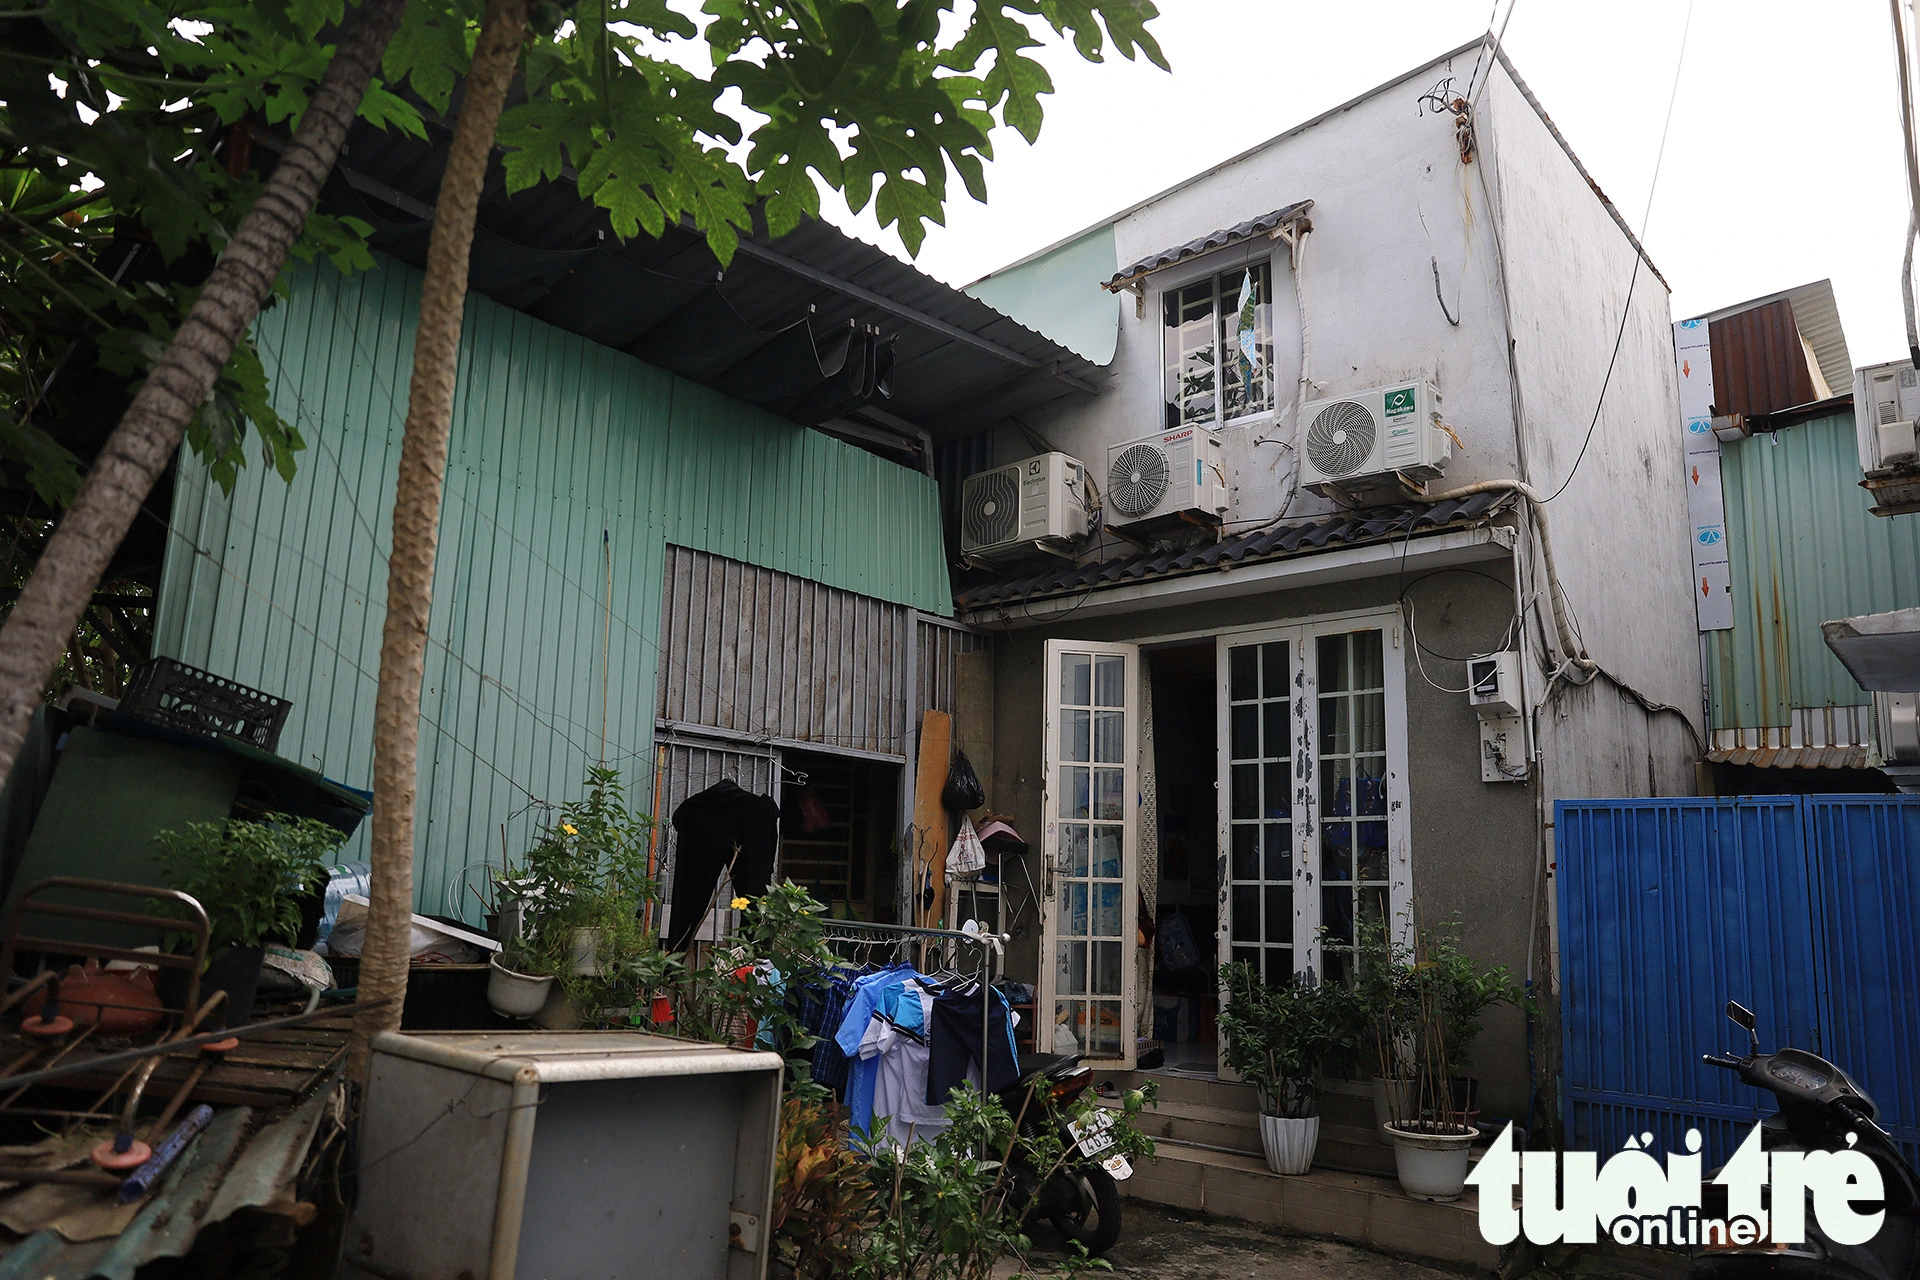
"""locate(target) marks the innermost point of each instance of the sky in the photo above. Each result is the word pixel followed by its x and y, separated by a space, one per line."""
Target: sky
pixel 1782 166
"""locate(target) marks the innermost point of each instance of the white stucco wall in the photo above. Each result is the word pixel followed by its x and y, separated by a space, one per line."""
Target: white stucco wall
pixel 1391 199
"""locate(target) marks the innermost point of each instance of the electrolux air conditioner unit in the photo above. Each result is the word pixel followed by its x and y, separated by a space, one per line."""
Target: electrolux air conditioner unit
pixel 1887 404
pixel 1167 475
pixel 1039 500
pixel 1364 437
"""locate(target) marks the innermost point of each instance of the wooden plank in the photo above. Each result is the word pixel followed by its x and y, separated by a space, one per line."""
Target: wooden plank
pixel 929 814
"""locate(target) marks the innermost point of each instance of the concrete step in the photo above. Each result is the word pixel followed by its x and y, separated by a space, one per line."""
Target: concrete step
pixel 1200 1090
pixel 1344 1143
pixel 1365 1210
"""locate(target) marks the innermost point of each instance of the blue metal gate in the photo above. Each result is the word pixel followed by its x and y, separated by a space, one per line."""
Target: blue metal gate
pixel 1806 909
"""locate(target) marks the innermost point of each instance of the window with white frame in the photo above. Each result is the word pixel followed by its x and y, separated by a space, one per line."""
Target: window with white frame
pixel 1217 335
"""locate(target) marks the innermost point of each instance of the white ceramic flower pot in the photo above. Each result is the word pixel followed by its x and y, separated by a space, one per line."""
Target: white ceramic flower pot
pixel 515 995
pixel 1432 1166
pixel 1389 1097
pixel 1290 1144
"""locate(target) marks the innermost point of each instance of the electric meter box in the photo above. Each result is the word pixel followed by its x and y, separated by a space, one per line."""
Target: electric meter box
pixel 564 1154
pixel 1493 685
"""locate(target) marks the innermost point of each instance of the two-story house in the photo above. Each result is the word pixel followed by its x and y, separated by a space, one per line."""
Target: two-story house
pixel 1388 552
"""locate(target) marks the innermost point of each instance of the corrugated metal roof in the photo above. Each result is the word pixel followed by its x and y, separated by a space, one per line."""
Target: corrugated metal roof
pixel 1349 528
pixel 1759 362
pixel 1792 757
pixel 228 1168
pixel 1817 316
pixel 1804 549
pixel 1266 224
pixel 957 361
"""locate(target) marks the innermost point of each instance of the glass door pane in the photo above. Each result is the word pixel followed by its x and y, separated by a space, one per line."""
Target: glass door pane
pixel 1351 764
pixel 1260 807
pixel 1092 923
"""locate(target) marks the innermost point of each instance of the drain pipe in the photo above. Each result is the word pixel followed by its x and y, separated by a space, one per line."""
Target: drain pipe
pixel 1563 628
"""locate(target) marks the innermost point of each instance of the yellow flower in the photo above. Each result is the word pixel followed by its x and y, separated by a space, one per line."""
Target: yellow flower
pixel 570 829
pixel 738 904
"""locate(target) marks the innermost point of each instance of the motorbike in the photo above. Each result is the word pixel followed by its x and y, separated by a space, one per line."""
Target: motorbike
pixel 1081 1197
pixel 1819 1106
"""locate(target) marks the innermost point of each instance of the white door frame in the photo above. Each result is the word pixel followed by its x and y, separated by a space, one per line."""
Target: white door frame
pixel 1301 636
pixel 1053 872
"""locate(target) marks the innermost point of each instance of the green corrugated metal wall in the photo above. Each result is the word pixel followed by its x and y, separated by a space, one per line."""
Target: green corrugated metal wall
pixel 1804 550
pixel 564 454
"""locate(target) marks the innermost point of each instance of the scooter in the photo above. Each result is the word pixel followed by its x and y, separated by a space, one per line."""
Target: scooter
pixel 1819 1106
pixel 1080 1197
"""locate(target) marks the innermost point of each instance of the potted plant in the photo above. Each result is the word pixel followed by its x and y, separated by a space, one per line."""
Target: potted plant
pixel 1385 996
pixel 1277 1036
pixel 1448 991
pixel 515 988
pixel 252 879
pixel 578 895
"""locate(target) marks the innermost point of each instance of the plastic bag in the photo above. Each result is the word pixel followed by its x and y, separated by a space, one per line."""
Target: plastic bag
pixel 967 858
pixel 348 877
pixel 963 791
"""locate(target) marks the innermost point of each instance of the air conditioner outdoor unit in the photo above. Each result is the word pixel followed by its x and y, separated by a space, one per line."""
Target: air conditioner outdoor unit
pixel 1005 511
pixel 1887 400
pixel 1351 440
pixel 1165 475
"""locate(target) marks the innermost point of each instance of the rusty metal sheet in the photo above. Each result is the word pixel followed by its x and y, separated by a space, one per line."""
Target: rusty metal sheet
pixel 1760 365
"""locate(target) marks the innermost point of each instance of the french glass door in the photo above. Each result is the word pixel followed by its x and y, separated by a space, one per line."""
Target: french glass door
pixel 1312 751
pixel 1090 783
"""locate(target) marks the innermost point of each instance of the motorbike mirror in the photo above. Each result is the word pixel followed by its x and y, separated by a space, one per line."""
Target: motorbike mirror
pixel 1743 1017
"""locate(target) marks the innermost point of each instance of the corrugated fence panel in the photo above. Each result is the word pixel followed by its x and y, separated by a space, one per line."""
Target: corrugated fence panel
pixel 935 667
pixel 570 468
pixel 1668 909
pixel 1803 550
pixel 1864 863
pixel 770 655
pixel 1805 909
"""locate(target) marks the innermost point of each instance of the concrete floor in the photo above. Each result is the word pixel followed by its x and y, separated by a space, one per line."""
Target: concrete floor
pixel 1168 1244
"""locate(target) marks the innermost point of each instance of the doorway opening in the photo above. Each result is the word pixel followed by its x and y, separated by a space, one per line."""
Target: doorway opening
pixel 836 832
pixel 1185 987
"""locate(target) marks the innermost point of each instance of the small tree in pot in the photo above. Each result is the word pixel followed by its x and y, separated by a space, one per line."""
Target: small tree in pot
pixel 1277 1036
pixel 1448 991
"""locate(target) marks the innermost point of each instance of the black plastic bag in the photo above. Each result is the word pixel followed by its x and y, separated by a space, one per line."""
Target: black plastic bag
pixel 963 790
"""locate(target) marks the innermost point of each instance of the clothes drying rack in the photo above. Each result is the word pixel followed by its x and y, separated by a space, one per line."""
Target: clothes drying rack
pixel 993 954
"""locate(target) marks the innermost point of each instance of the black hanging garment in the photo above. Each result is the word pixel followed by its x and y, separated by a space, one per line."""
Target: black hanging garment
pixel 708 827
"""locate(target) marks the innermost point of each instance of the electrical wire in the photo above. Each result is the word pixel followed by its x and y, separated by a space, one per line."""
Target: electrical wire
pixel 1639 256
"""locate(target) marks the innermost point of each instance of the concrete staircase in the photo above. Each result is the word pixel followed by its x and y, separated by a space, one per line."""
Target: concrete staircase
pixel 1210 1159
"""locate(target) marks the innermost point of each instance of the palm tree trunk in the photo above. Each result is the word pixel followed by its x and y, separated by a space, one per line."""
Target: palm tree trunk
pixel 416 525
pixel 63 581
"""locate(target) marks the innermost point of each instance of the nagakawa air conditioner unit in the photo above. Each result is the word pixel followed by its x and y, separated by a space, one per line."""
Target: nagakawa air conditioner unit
pixel 1358 440
pixel 1008 510
pixel 1887 406
pixel 1173 473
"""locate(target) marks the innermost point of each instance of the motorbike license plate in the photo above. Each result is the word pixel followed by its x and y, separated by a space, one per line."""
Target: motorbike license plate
pixel 1117 1166
pixel 1092 1134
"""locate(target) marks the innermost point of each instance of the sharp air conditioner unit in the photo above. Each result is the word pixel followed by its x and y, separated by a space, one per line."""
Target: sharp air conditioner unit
pixel 1353 441
pixel 1887 404
pixel 1162 477
pixel 1008 510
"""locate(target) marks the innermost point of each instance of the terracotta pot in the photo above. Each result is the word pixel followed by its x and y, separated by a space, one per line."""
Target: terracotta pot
pixel 1289 1143
pixel 1432 1159
pixel 122 1001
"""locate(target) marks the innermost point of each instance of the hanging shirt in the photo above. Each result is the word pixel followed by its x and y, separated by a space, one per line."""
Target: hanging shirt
pixel 862 1072
pixel 900 1087
pixel 708 827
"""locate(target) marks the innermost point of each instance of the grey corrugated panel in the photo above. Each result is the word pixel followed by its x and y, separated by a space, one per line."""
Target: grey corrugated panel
pixel 228 1168
pixel 1803 549
pixel 1344 529
pixel 1220 239
pixel 755 651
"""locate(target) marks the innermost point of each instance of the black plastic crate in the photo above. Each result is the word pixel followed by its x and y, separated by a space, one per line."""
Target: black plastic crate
pixel 178 696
